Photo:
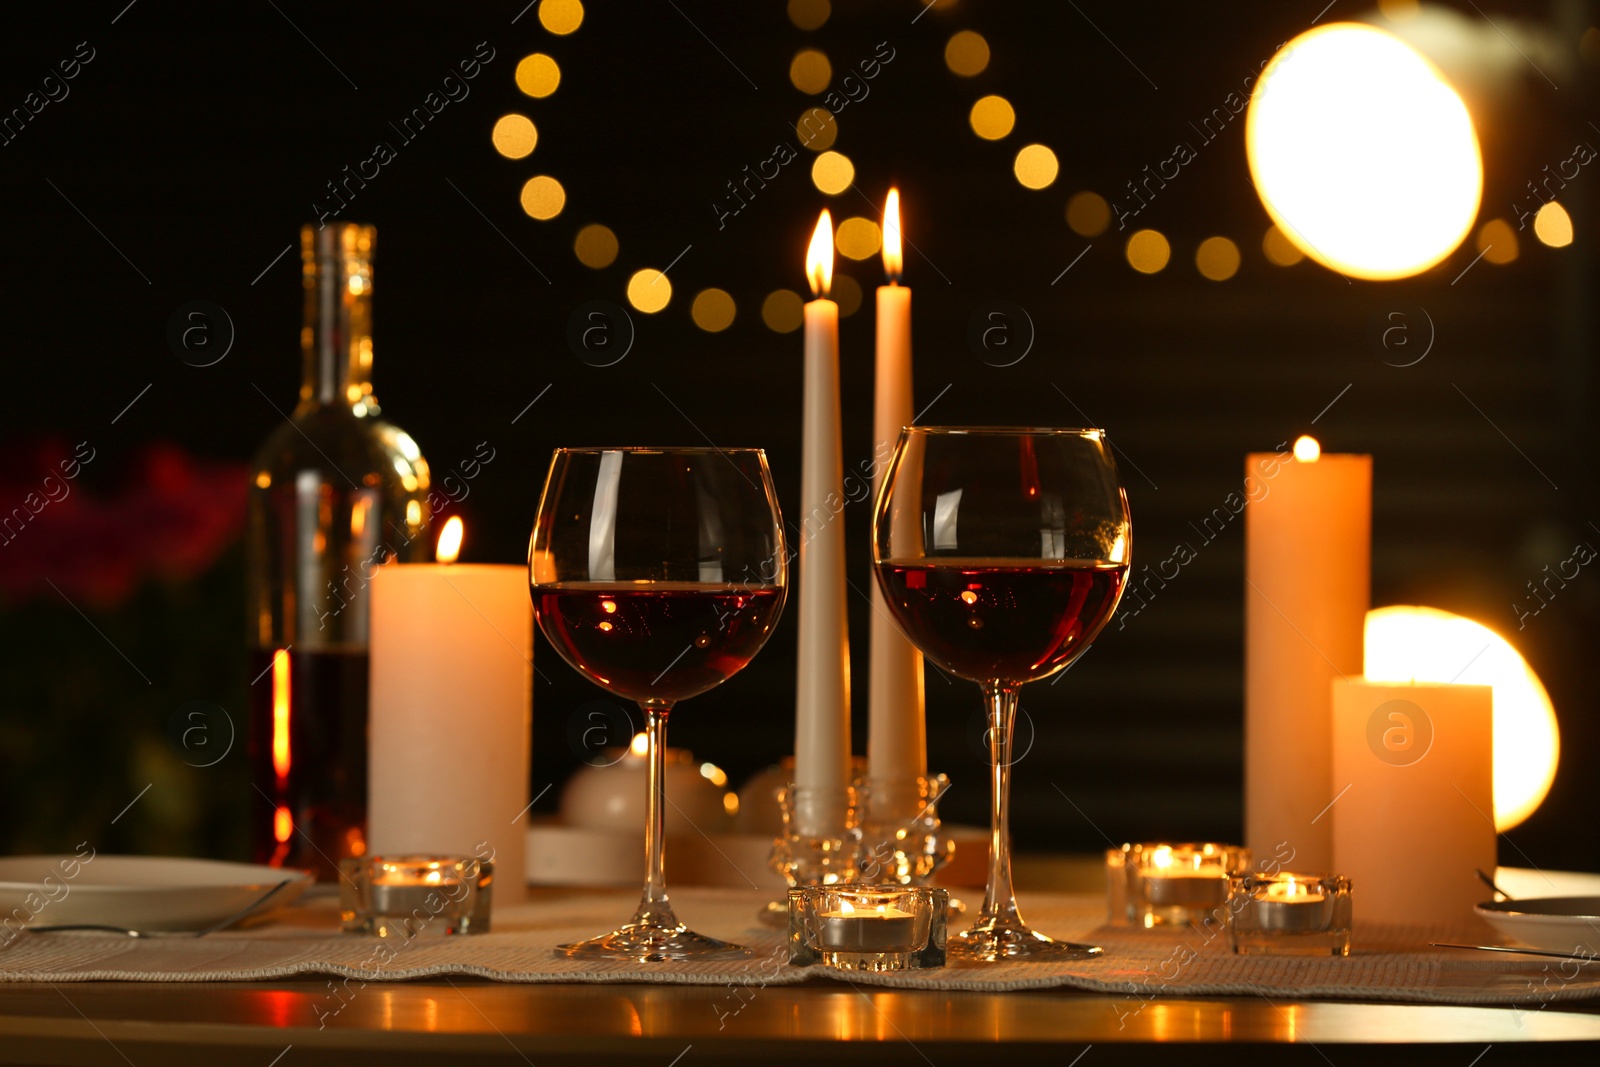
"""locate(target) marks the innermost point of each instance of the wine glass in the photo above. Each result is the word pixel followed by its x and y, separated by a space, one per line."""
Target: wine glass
pixel 657 573
pixel 1001 553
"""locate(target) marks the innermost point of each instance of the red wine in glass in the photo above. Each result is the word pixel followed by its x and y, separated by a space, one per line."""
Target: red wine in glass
pixel 664 641
pixel 999 619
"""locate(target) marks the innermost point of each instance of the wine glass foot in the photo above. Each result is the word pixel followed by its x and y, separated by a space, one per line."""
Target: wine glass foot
pixel 1003 944
pixel 649 943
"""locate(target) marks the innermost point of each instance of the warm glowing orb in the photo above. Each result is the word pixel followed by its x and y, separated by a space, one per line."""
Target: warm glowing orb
pixel 1364 156
pixel 1415 644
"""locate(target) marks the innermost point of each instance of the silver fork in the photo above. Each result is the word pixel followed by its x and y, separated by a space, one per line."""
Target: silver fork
pixel 213 928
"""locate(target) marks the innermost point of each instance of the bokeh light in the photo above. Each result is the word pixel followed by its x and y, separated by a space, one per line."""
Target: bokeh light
pixel 832 172
pixel 538 75
pixel 966 53
pixel 1088 214
pixel 649 290
pixel 596 246
pixel 1498 242
pixel 1363 154
pixel 809 14
pixel 1148 251
pixel 783 310
pixel 858 238
pixel 713 310
pixel 810 71
pixel 1279 250
pixel 992 117
pixel 1036 166
pixel 846 292
pixel 543 197
pixel 514 136
pixel 1419 644
pixel 1217 258
pixel 560 17
pixel 816 128
pixel 1553 226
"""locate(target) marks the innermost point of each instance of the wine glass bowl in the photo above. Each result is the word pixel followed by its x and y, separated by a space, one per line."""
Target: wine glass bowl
pixel 657 573
pixel 1002 553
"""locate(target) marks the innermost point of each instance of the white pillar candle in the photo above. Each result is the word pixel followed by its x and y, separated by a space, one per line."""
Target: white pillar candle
pixel 897 747
pixel 1415 763
pixel 450 729
pixel 822 694
pixel 1307 529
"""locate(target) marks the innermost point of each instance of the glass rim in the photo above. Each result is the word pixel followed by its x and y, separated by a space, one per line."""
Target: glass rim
pixel 1014 431
pixel 657 450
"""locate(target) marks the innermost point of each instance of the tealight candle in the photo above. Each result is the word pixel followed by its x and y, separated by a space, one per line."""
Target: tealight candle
pixel 1287 914
pixel 1175 883
pixel 858 927
pixel 879 929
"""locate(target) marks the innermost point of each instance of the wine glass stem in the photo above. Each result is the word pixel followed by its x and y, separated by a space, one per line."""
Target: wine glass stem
pixel 999 901
pixel 654 908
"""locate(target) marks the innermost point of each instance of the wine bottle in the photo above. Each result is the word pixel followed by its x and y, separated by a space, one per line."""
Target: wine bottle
pixel 336 492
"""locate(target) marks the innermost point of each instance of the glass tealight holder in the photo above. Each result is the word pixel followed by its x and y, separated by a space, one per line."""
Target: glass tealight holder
pixel 415 896
pixel 1178 884
pixel 1286 914
pixel 898 838
pixel 1117 885
pixel 868 927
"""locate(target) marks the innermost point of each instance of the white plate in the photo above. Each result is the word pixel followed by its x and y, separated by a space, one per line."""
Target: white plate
pixel 1555 924
pixel 137 892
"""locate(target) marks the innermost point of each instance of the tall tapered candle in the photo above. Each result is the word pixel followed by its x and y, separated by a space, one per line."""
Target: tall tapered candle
pixel 822 695
pixel 897 739
pixel 1307 537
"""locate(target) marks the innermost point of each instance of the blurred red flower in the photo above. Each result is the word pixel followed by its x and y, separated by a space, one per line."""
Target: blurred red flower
pixel 170 517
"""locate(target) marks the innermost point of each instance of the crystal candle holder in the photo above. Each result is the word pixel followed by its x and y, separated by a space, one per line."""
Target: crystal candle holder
pixel 412 896
pixel 868 928
pixel 1182 883
pixel 807 857
pixel 898 839
pixel 1286 914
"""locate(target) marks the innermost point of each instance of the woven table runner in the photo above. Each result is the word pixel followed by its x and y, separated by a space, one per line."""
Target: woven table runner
pixel 1389 963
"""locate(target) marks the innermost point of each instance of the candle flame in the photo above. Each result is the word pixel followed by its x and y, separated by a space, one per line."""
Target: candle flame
pixel 893 257
pixel 1306 449
pixel 450 540
pixel 640 745
pixel 819 257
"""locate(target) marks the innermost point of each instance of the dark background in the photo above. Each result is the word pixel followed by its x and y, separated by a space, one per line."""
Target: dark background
pixel 191 148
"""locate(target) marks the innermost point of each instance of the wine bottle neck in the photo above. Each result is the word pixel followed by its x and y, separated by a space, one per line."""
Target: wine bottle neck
pixel 336 272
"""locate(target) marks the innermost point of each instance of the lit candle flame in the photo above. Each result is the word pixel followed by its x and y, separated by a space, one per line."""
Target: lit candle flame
pixel 450 540
pixel 1306 449
pixel 893 258
pixel 640 746
pixel 819 257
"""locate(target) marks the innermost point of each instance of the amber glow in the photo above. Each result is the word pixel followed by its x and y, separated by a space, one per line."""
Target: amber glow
pixel 450 540
pixel 1419 644
pixel 640 745
pixel 282 824
pixel 893 255
pixel 1553 226
pixel 280 715
pixel 819 256
pixel 1306 449
pixel 1364 155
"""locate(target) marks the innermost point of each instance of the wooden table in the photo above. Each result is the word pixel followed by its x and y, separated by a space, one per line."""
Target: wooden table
pixel 825 1023
pixel 820 1022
